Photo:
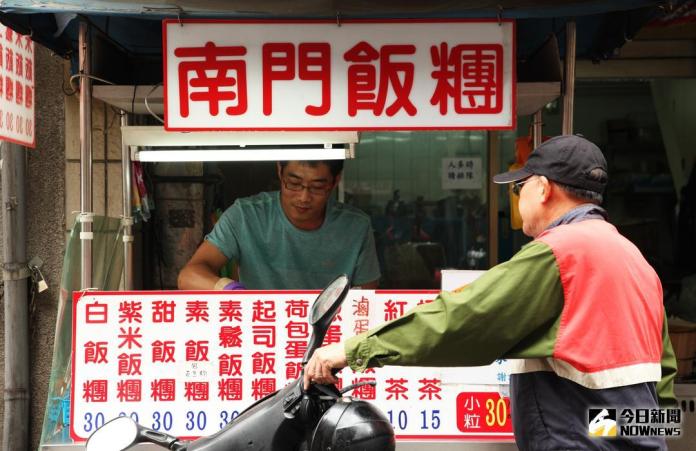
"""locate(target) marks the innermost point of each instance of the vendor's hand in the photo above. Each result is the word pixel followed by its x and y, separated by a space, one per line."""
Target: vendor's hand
pixel 324 359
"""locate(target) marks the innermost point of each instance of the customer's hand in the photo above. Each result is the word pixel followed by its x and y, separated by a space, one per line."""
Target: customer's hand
pixel 325 359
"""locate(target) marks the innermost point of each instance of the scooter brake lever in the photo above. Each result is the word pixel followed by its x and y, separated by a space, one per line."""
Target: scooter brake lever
pixel 359 384
pixel 325 390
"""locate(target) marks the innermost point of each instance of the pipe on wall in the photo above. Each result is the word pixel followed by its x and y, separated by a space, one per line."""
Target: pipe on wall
pixel 15 297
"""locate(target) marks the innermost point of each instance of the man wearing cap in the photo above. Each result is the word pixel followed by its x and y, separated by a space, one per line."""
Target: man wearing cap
pixel 579 309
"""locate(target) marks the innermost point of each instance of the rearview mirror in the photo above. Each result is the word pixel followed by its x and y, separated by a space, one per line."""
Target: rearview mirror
pixel 115 435
pixel 323 311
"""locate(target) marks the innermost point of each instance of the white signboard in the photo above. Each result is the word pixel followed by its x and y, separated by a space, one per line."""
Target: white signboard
pixel 462 173
pixel 186 363
pixel 361 75
pixel 16 87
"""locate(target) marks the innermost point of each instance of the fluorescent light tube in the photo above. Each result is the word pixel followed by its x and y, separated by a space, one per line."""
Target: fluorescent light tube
pixel 251 154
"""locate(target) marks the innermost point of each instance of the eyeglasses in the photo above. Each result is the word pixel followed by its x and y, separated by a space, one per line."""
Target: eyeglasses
pixel 517 186
pixel 313 190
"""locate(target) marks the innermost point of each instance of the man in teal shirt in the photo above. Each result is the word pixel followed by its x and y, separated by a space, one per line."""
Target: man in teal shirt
pixel 295 238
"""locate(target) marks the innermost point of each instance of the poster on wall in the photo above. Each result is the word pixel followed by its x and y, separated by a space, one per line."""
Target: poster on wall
pixel 462 173
pixel 362 75
pixel 16 87
pixel 187 363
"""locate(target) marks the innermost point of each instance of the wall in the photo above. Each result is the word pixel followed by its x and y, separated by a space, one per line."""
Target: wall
pixel 45 225
pixel 53 198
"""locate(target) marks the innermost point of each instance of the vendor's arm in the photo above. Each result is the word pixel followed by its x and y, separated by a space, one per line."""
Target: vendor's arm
pixel 512 303
pixel 201 272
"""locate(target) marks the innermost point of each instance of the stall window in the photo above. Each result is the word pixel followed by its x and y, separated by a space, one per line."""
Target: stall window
pixel 426 193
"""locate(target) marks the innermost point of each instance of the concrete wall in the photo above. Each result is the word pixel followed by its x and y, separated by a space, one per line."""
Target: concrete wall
pixel 53 198
pixel 45 225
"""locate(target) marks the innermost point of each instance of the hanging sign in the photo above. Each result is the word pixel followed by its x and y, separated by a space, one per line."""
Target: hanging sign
pixel 317 75
pixel 462 173
pixel 16 87
pixel 187 363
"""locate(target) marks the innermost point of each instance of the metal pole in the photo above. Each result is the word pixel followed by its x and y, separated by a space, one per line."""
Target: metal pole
pixel 537 128
pixel 569 78
pixel 127 209
pixel 15 273
pixel 86 213
pixel 493 168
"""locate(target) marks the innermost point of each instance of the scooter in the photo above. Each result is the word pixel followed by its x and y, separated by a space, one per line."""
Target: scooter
pixel 291 419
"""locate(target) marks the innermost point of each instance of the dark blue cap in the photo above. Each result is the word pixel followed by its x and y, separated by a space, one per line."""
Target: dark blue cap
pixel 566 159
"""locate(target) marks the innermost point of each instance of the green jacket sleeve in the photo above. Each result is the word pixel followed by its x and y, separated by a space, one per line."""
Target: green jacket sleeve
pixel 520 298
pixel 665 388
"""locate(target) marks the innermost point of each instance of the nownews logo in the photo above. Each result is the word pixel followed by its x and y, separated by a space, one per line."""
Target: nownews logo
pixel 634 423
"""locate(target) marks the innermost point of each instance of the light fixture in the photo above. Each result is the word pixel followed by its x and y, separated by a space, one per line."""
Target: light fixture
pixel 245 154
pixel 154 144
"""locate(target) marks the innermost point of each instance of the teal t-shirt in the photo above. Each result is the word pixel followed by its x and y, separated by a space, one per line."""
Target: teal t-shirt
pixel 274 254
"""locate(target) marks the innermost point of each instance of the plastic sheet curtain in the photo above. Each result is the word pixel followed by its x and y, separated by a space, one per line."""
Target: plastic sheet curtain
pixel 107 252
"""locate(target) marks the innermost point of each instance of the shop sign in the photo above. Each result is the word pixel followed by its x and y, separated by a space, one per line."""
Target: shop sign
pixel 186 363
pixel 355 75
pixel 16 87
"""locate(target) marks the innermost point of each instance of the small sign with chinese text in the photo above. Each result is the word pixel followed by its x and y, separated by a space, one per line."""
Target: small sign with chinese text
pixel 462 173
pixel 187 363
pixel 16 87
pixel 362 75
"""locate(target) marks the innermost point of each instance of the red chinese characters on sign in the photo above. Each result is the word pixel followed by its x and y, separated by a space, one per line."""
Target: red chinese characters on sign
pixel 196 391
pixel 373 73
pixel 130 312
pixel 230 311
pixel 129 390
pixel 264 336
pixel 296 308
pixel 130 337
pixel 263 363
pixel 469 75
pixel 96 313
pixel 262 387
pixel 396 388
pixel 96 352
pixel 129 364
pixel 197 351
pixel 293 370
pixel 313 64
pixel 230 337
pixel 295 349
pixel 95 390
pixel 394 309
pixel 163 311
pixel 263 311
pixel 197 311
pixel 230 389
pixel 16 87
pixel 163 390
pixel 430 389
pixel 163 351
pixel 230 365
pixel 219 75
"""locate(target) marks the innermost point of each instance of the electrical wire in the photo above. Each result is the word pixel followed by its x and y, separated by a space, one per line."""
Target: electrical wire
pixel 148 106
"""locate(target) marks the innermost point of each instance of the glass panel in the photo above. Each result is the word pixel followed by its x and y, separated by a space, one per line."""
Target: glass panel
pixel 426 193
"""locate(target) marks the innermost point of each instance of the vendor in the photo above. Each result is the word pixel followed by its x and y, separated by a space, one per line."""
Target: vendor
pixel 295 238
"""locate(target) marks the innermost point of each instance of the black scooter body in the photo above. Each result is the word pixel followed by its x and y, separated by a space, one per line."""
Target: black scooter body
pixel 263 426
